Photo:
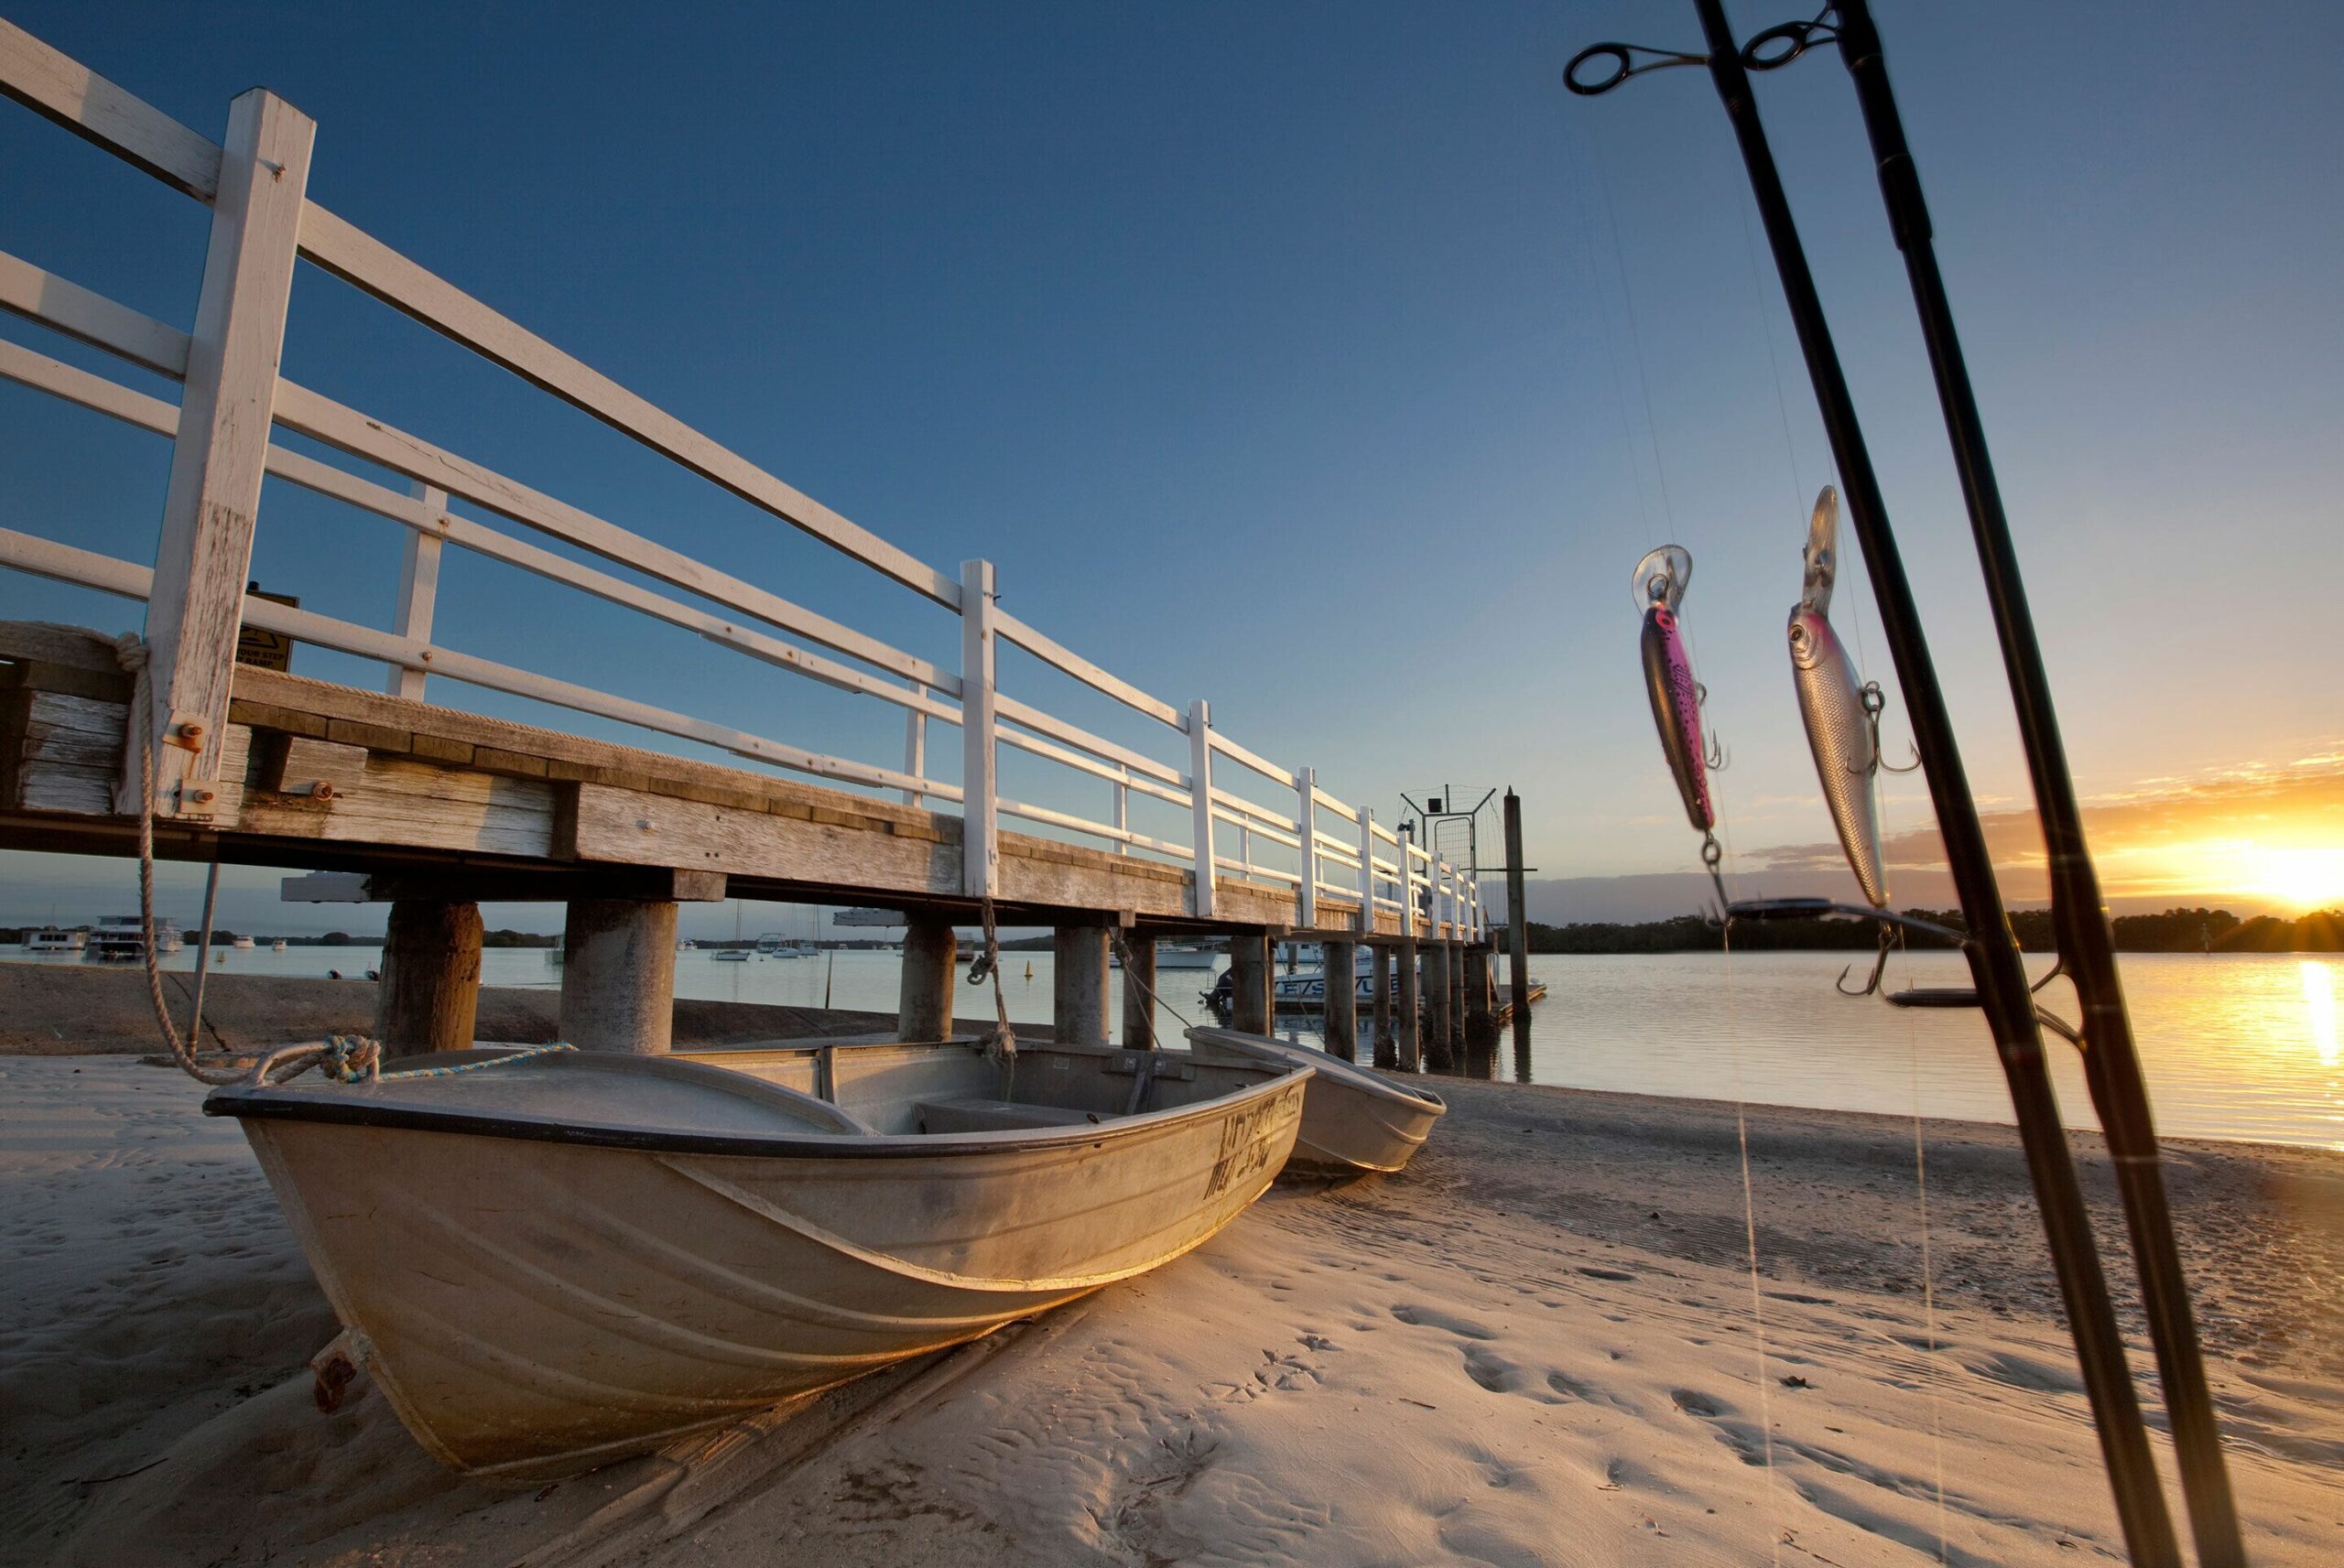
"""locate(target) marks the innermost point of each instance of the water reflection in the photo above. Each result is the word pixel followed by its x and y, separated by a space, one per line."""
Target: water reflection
pixel 2319 1009
pixel 2236 1045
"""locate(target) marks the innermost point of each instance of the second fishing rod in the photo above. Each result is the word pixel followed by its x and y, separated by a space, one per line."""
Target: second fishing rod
pixel 1994 960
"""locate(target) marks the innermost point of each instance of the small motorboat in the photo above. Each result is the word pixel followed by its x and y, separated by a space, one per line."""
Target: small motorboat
pixel 554 1261
pixel 730 955
pixel 1354 1119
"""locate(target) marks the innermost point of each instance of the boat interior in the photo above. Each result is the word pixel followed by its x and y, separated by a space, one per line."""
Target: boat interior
pixel 896 1088
pixel 885 1088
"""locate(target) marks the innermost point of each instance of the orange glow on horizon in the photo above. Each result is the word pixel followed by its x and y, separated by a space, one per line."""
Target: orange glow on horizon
pixel 2299 877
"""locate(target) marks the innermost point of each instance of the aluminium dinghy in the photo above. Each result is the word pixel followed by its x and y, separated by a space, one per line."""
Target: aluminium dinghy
pixel 553 1262
pixel 1354 1119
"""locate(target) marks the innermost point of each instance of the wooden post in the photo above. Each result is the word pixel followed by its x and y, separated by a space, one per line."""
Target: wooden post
pixel 419 591
pixel 1458 995
pixel 1341 967
pixel 1437 989
pixel 915 745
pixel 1139 979
pixel 1518 919
pixel 1078 986
pixel 1480 1014
pixel 429 993
pixel 1249 983
pixel 618 976
pixel 1123 808
pixel 1387 1053
pixel 1201 804
pixel 979 829
pixel 195 605
pixel 924 1005
pixel 1410 1039
pixel 1366 872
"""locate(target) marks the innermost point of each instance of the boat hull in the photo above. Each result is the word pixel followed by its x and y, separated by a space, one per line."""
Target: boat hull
pixel 533 1307
pixel 1353 1120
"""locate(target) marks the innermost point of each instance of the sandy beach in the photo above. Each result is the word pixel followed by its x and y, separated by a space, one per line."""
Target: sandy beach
pixel 1541 1345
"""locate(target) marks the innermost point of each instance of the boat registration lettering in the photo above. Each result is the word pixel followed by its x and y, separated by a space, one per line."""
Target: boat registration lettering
pixel 1244 1143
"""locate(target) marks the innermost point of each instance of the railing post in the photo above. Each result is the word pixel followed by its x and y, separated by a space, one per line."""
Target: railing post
pixel 1201 793
pixel 915 746
pixel 1407 889
pixel 980 831
pixel 1306 898
pixel 1367 871
pixel 1123 807
pixel 196 605
pixel 419 589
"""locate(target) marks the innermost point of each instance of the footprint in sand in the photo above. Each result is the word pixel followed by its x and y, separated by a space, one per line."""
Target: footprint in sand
pixel 1432 1317
pixel 2026 1372
pixel 1592 1273
pixel 1495 1373
pixel 1694 1402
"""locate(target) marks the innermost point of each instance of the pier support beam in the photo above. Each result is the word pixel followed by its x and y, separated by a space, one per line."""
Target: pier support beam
pixel 1459 998
pixel 1340 966
pixel 1481 1001
pixel 1078 1000
pixel 924 1005
pixel 618 976
pixel 1249 983
pixel 1439 1051
pixel 1139 979
pixel 1409 1038
pixel 1386 1054
pixel 430 989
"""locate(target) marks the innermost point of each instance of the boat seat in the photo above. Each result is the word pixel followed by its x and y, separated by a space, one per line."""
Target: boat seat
pixel 994 1116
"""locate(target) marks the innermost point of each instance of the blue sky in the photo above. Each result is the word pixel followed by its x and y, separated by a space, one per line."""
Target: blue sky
pixel 1280 355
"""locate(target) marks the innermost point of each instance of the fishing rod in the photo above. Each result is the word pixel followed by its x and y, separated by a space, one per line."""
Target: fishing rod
pixel 2086 948
pixel 1990 949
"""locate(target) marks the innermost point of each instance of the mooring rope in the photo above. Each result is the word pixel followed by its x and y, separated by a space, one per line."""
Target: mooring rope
pixel 1001 1046
pixel 344 1058
pixel 130 651
pixel 1145 989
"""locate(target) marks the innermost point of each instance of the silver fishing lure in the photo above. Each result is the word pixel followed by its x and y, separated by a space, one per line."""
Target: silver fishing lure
pixel 1842 721
pixel 1843 717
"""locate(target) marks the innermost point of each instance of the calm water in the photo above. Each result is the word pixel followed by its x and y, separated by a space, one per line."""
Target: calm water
pixel 2235 1045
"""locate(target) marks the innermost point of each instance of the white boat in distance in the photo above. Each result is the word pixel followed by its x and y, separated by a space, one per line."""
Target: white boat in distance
pixel 558 1262
pixel 53 939
pixel 1353 1120
pixel 122 939
pixel 773 945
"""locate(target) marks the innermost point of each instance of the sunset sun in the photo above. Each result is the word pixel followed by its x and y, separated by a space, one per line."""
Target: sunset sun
pixel 2302 877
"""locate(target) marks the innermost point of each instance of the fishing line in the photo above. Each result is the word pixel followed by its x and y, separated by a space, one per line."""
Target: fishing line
pixel 1583 166
pixel 1750 1240
pixel 1635 334
pixel 1928 1268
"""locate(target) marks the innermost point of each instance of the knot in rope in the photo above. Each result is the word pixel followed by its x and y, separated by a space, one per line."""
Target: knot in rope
pixel 350 1058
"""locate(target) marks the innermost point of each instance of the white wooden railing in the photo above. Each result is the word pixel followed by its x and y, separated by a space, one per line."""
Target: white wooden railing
pixel 233 400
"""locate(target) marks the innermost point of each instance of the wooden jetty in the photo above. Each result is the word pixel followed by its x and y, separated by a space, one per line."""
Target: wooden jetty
pixel 434 809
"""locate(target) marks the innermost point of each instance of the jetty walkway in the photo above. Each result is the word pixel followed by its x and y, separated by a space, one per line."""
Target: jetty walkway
pixel 434 809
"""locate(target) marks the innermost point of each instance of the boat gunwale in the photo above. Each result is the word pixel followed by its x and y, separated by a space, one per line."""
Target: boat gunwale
pixel 1364 1079
pixel 274 1103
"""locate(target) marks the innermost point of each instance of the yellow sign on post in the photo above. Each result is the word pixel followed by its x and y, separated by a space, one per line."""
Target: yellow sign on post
pixel 269 650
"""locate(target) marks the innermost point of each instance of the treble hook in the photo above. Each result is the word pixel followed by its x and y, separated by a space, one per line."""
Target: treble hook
pixel 1874 701
pixel 1879 967
pixel 1713 755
